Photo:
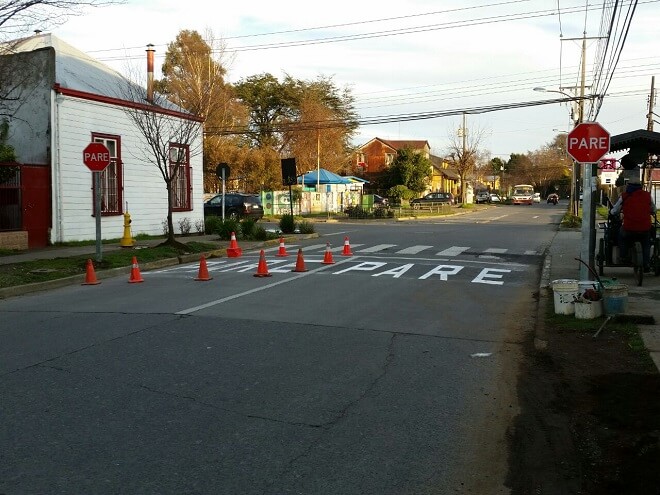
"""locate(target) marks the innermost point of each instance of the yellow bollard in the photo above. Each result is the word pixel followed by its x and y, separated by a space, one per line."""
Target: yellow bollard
pixel 127 240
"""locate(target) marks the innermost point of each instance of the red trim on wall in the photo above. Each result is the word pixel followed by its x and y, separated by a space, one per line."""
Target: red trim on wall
pixel 74 93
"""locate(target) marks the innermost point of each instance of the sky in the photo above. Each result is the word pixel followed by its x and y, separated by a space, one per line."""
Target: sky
pixel 403 60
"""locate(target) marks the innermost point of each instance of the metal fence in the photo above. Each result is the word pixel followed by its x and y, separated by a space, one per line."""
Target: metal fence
pixel 10 198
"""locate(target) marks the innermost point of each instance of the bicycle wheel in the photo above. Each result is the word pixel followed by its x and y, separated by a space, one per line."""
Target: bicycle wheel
pixel 655 257
pixel 600 257
pixel 638 265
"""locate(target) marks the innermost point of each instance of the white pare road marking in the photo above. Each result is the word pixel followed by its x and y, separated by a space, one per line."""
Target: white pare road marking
pixel 490 276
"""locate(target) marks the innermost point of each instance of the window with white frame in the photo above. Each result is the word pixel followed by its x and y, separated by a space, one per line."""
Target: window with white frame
pixel 180 171
pixel 111 176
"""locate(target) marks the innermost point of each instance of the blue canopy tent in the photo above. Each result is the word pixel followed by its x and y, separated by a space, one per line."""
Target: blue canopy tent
pixel 324 177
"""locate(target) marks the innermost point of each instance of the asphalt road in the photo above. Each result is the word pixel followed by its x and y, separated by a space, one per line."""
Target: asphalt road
pixel 391 371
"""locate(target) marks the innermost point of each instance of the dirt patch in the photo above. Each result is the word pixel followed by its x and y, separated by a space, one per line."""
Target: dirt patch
pixel 590 413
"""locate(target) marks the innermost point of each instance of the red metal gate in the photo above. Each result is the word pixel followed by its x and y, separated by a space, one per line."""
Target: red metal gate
pixel 36 203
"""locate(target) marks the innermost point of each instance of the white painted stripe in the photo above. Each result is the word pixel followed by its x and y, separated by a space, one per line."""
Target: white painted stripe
pixel 313 247
pixel 453 251
pixel 495 250
pixel 376 248
pixel 341 248
pixel 413 249
pixel 530 252
pixel 257 289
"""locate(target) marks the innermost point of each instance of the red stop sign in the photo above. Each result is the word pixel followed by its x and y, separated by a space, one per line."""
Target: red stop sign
pixel 588 142
pixel 96 156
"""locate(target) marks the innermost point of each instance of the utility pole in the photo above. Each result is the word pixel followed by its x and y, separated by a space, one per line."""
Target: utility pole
pixel 649 127
pixel 588 244
pixel 463 186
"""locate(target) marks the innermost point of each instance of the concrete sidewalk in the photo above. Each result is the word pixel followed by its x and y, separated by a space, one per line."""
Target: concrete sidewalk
pixel 643 302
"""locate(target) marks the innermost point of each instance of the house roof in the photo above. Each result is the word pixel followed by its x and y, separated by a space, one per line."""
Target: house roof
pixel 75 69
pixel 324 177
pixel 450 173
pixel 399 145
pixel 412 144
pixel 78 72
pixel 643 140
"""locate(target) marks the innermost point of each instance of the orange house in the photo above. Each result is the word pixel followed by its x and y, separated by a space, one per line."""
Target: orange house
pixel 375 156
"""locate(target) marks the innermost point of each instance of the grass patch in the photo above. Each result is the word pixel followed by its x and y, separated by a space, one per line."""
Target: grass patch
pixel 28 272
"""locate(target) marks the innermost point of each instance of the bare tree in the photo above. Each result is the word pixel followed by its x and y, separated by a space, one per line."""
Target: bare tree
pixel 171 137
pixel 21 16
pixel 464 153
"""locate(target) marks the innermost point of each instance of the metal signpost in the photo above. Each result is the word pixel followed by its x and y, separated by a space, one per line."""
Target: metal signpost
pixel 97 157
pixel 587 143
pixel 222 171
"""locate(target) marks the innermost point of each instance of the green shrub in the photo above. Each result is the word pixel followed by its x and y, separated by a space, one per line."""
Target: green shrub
pixel 356 212
pixel 287 224
pixel 224 229
pixel 247 227
pixel 259 233
pixel 212 224
pixel 380 212
pixel 306 227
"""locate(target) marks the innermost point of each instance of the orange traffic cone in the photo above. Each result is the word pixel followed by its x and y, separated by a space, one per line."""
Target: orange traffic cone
pixel 203 273
pixel 347 248
pixel 327 257
pixel 300 263
pixel 135 273
pixel 282 250
pixel 262 268
pixel 90 276
pixel 233 251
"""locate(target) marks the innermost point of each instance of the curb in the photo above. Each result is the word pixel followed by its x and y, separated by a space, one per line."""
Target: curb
pixel 19 290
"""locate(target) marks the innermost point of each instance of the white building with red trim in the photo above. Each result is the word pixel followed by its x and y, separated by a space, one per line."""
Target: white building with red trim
pixel 65 99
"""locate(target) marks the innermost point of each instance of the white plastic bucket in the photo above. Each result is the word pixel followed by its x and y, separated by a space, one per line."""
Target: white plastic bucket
pixel 565 293
pixel 615 299
pixel 585 285
pixel 588 310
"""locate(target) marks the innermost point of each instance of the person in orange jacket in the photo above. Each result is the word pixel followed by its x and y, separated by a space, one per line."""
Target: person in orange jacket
pixel 637 207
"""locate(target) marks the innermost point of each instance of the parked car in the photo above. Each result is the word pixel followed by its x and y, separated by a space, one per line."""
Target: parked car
pixel 436 198
pixel 380 202
pixel 494 198
pixel 536 198
pixel 482 197
pixel 237 205
pixel 553 198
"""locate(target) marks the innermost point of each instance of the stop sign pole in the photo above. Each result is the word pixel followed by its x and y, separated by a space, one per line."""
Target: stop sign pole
pixel 97 157
pixel 587 143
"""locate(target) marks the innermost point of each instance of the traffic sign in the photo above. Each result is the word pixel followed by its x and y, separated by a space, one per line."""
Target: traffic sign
pixel 222 171
pixel 96 156
pixel 588 142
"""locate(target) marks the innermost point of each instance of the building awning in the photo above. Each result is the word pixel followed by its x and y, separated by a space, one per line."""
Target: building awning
pixel 639 141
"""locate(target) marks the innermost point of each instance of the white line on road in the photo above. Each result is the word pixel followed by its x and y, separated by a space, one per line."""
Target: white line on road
pixel 376 248
pixel 452 251
pixel 413 250
pixel 257 289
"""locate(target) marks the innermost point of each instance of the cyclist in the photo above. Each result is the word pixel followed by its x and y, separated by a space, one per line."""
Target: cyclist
pixel 637 207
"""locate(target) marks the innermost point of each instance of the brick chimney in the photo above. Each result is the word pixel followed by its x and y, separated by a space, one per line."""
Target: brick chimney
pixel 150 73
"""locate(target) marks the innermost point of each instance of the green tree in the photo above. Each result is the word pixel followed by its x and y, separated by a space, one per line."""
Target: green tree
pixel 270 104
pixel 409 169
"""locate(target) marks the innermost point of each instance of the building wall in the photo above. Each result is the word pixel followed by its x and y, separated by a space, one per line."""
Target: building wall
pixel 33 74
pixel 374 156
pixel 144 192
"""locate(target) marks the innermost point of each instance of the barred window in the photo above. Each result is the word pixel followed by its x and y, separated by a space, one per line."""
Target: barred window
pixel 180 171
pixel 111 177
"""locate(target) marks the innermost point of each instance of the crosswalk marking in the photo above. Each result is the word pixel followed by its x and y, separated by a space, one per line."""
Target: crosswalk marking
pixel 530 252
pixel 413 249
pixel 376 248
pixel 453 251
pixel 341 248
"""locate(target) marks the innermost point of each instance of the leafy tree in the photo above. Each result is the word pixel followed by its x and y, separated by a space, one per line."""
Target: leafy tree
pixel 464 153
pixel 325 122
pixel 161 126
pixel 270 104
pixel 410 169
